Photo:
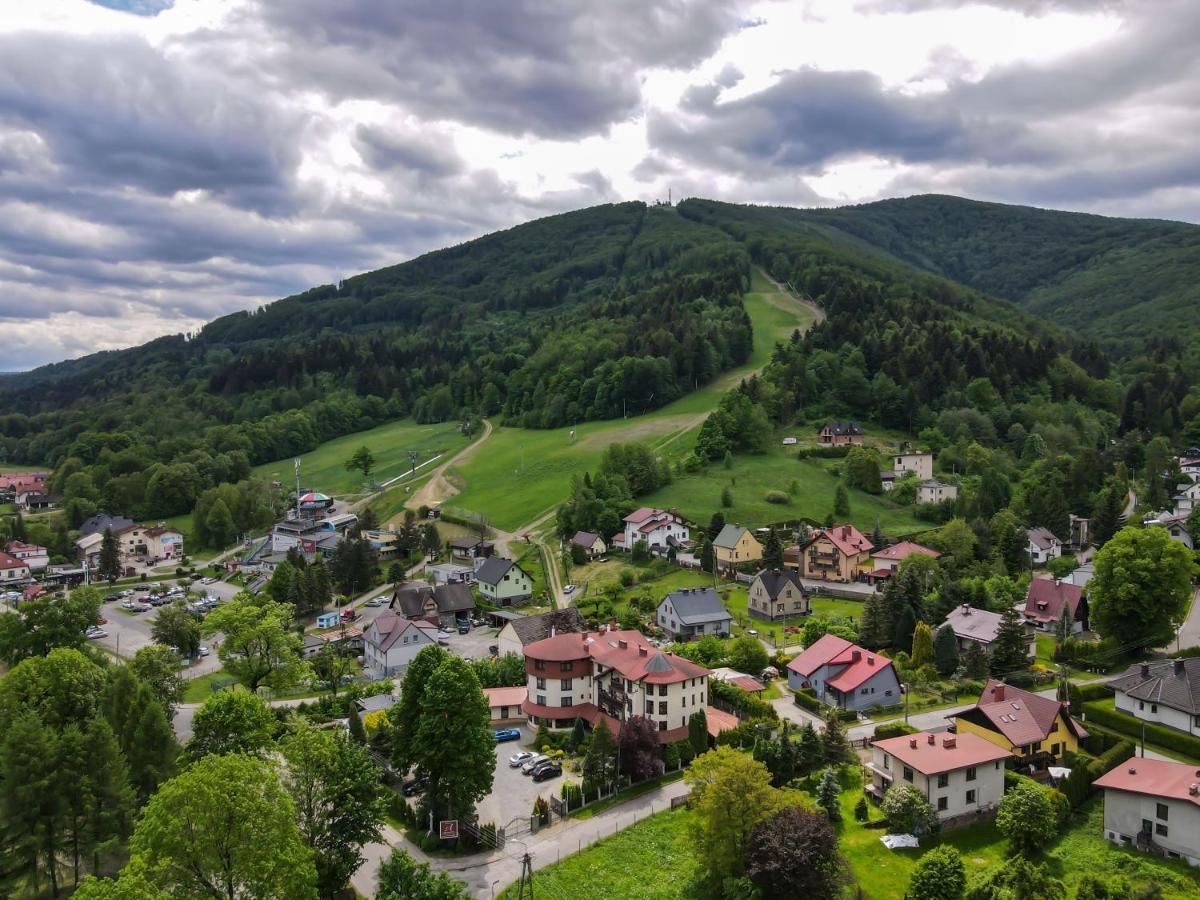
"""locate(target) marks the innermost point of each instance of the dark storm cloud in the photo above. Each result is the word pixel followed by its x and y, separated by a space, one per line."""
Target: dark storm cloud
pixel 384 149
pixel 546 67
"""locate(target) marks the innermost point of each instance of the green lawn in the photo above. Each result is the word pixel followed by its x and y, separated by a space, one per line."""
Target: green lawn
pixel 324 469
pixel 808 484
pixel 25 467
pixel 523 473
pixel 616 866
pixel 200 689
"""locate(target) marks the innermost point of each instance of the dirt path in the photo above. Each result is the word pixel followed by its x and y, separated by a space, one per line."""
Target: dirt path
pixel 438 488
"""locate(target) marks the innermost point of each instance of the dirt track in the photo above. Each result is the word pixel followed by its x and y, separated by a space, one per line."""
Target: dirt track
pixel 438 489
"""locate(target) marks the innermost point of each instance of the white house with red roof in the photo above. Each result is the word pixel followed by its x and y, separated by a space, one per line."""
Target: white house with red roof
pixel 613 675
pixel 37 558
pixel 887 561
pixel 959 774
pixel 1044 602
pixel 845 675
pixel 13 570
pixel 1154 804
pixel 660 528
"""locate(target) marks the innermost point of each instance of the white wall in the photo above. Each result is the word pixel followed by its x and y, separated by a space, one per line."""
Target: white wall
pixel 988 784
pixel 1157 712
pixel 1124 812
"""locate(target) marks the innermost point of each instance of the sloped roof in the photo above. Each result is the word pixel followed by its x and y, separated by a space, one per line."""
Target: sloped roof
pixel 1045 598
pixel 933 754
pixel 1043 538
pixel 903 550
pixel 386 630
pixel 843 428
pixel 410 598
pixel 506 696
pixel 830 650
pixel 729 536
pixel 8 561
pixel 585 539
pixel 696 606
pixel 536 628
pixel 1022 717
pixel 974 624
pixel 494 569
pixel 453 597
pixel 848 539
pixel 628 652
pixel 1172 682
pixel 1154 778
pixel 774 581
pixel 97 523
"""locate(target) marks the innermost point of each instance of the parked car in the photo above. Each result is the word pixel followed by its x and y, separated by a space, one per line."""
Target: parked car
pixel 546 772
pixel 203 650
pixel 94 631
pixel 519 758
pixel 414 787
pixel 479 623
pixel 464 627
pixel 568 589
pixel 375 601
pixel 349 614
pixel 534 763
pixel 108 598
pixel 506 734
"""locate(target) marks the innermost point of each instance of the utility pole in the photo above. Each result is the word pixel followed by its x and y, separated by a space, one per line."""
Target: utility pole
pixel 525 885
pixel 413 456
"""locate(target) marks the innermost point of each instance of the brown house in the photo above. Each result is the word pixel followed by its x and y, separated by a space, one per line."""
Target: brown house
pixel 776 594
pixel 835 434
pixel 840 553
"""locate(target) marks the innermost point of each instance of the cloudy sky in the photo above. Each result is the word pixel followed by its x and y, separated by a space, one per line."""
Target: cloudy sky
pixel 163 163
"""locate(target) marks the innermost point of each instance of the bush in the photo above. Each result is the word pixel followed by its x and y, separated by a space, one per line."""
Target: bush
pixel 1131 727
pixel 745 705
pixel 776 497
pixel 1078 694
pixel 628 578
pixel 893 729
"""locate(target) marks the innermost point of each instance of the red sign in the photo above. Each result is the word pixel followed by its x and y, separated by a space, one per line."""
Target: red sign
pixel 309 546
pixel 448 829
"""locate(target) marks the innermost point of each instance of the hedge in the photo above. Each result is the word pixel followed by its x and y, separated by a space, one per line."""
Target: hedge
pixel 807 700
pixel 893 729
pixel 1132 728
pixel 1081 693
pixel 747 706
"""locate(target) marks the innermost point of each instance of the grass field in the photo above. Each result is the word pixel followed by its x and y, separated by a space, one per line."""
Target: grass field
pixel 324 469
pixel 615 867
pixel 523 473
pixel 19 467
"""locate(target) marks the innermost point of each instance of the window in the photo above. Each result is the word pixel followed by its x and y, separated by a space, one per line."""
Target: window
pixel 1161 811
pixel 1153 707
pixel 566 701
pixel 565 684
pixel 887 693
pixel 1160 829
pixel 1037 746
pixel 1054 727
pixel 862 690
pixel 541 684
pixel 887 761
pixel 566 667
pixel 662 690
pixel 662 709
pixel 1054 749
pixel 971 773
pixel 541 699
pixel 649 707
pixel 539 664
pixel 970 797
pixel 702 696
pixel 662 726
pixel 908 775
pixel 943 804
pixel 943 780
pixel 1141 705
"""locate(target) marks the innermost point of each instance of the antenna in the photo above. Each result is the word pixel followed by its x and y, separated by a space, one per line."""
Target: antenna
pixel 296 463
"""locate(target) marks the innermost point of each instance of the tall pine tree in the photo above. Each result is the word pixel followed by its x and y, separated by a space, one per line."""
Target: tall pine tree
pixel 1010 653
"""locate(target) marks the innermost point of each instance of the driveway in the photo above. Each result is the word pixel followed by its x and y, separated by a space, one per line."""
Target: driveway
pixel 513 793
pixel 1189 632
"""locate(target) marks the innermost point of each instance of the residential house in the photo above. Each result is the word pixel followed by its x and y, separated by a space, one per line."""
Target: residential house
pixel 87 548
pixel 1154 804
pixel 777 594
pixel 1043 546
pixel 659 528
pixel 520 631
pixel 1187 498
pixel 310 646
pixel 31 501
pixel 505 705
pixel 735 546
pixel 1044 603
pixel 1166 692
pixel 101 521
pixel 692 613
pixel 37 558
pixel 13 484
pixel 503 582
pixel 933 491
pixel 961 775
pixel 1189 465
pixel 1037 730
pixel 391 642
pixel 979 626
pixel 1080 529
pixel 844 675
pixel 920 464
pixel 446 573
pixel 148 544
pixel 841 553
pixel 13 570
pixel 468 549
pixel 443 603
pixel 612 676
pixel 385 543
pixel 885 562
pixel 1176 526
pixel 593 545
pixel 837 434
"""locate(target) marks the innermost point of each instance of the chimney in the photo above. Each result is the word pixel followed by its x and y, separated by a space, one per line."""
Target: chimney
pixel 845 531
pixel 1178 666
pixel 1145 667
pixel 949 742
pixel 998 693
pixel 870 660
pixel 930 739
pixel 551 631
pixel 623 644
pixel 1194 789
pixel 1132 770
pixel 642 651
pixel 966 609
pixel 912 742
pixel 855 655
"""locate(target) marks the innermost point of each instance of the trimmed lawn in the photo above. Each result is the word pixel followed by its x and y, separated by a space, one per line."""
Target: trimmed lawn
pixel 324 469
pixel 200 689
pixel 524 473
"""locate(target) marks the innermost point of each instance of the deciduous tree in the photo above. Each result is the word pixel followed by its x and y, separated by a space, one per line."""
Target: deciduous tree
pixel 406 714
pixel 640 756
pixel 747 654
pixel 1141 587
pixel 158 668
pixel 232 721
pixel 259 646
pixel 939 875
pixel 794 853
pixel 1026 819
pixel 363 460
pixel 403 878
pixel 175 627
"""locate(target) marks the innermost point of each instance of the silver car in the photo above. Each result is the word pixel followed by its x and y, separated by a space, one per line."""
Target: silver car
pixel 534 763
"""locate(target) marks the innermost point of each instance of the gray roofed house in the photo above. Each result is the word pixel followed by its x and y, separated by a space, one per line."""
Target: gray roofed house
pixel 979 626
pixel 777 594
pixel 692 613
pixel 1043 545
pixel 97 523
pixel 520 631
pixel 503 581
pixel 592 544
pixel 728 536
pixel 1166 692
pixel 418 600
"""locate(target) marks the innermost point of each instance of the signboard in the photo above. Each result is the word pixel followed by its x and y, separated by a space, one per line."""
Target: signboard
pixel 448 829
pixel 308 546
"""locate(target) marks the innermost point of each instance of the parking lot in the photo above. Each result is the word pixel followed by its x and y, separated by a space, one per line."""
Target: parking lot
pixel 513 793
pixel 128 632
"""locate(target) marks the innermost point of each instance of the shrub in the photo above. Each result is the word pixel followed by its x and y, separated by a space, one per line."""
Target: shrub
pixel 861 810
pixel 1131 727
pixel 893 729
pixel 628 578
pixel 907 810
pixel 776 497
pixel 1027 817
pixel 1078 694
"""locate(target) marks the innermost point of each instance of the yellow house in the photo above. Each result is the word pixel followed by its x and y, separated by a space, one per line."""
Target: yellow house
pixel 734 546
pixel 1037 730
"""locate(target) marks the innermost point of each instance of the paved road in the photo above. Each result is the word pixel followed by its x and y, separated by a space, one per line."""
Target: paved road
pixel 1189 632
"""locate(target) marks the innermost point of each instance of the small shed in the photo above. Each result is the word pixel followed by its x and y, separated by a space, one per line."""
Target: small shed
pixel 329 619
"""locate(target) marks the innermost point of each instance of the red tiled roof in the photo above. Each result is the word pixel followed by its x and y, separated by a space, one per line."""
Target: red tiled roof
pixel 880 573
pixel 719 720
pixel 832 650
pixel 1045 599
pixel 1022 717
pixel 747 684
pixel 848 539
pixel 21 546
pixel 640 515
pixel 652 666
pixel 8 561
pixel 1154 778
pixel 506 696
pixel 904 550
pixel 933 754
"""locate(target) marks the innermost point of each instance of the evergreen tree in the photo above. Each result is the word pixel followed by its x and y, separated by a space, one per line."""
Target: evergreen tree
pixel 834 747
pixel 1106 515
pixel 31 798
pixel 945 651
pixel 877 539
pixel 356 725
pixel 72 768
pixel 772 557
pixel 1063 627
pixel 922 645
pixel 219 524
pixel 906 623
pixel 715 524
pixel 873 631
pixel 809 752
pixel 829 795
pixel 726 496
pixel 150 745
pixel 708 559
pixel 109 795
pixel 1010 650
pixel 109 566
pixel 841 502
pixel 698 732
pixel 975 661
pixel 578 735
pixel 600 762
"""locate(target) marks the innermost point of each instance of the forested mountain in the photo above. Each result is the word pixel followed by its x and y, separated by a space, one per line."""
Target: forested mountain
pixel 1127 282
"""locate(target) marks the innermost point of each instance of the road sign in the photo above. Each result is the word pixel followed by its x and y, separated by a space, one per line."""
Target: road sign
pixel 448 829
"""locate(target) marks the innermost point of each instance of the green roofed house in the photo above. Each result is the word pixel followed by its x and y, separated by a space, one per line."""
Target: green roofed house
pixel 503 583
